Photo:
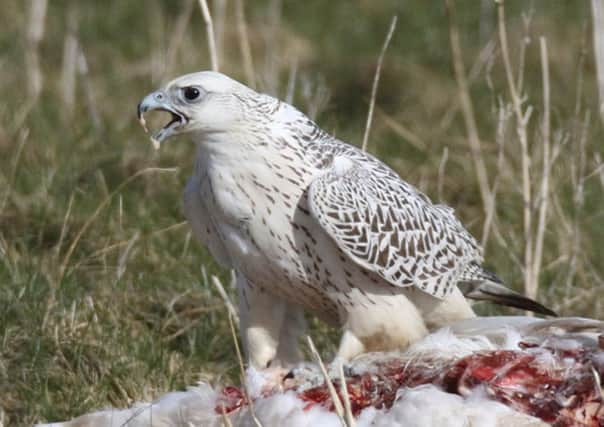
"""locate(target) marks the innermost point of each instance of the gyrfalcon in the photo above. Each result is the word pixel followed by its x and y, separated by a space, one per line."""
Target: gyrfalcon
pixel 309 222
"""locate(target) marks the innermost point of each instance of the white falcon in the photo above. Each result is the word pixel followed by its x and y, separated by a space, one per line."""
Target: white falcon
pixel 310 222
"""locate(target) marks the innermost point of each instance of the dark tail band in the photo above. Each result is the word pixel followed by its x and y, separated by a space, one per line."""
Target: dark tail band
pixel 499 294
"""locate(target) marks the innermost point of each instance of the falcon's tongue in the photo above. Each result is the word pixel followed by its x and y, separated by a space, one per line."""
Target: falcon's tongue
pixel 158 137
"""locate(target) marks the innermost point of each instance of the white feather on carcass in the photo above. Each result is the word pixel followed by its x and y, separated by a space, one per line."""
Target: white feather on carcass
pixel 473 371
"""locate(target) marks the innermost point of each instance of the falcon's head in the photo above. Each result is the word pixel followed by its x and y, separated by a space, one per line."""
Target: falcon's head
pixel 203 103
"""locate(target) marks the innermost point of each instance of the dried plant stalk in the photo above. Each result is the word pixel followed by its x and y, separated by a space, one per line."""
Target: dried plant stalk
pixel 522 118
pixel 349 417
pixel 291 82
pixel 468 109
pixel 177 36
pixel 376 80
pixel 441 173
pixel 244 44
pixel 490 217
pixel 70 60
pixel 240 359
pixel 337 404
pixel 219 18
pixel 597 7
pixel 96 213
pixel 225 297
pixel 207 17
pixel 35 34
pixel 84 73
pixel 272 44
pixel 545 177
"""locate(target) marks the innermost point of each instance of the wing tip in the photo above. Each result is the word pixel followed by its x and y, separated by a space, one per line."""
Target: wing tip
pixel 499 294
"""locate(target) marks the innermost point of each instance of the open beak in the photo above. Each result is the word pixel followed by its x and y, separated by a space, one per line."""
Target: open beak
pixel 160 101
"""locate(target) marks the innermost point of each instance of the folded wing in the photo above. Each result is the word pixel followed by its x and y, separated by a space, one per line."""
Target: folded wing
pixel 387 226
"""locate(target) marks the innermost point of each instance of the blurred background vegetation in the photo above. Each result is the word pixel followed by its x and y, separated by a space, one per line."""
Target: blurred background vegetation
pixel 102 300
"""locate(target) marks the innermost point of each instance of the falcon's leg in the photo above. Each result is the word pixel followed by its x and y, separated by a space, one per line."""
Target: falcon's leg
pixel 350 346
pixel 381 323
pixel 261 315
pixel 439 313
pixel 294 325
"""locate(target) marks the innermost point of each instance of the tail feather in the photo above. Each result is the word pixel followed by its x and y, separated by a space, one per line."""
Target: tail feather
pixel 486 286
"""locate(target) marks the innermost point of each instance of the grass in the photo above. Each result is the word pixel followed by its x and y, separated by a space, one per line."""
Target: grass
pixel 127 315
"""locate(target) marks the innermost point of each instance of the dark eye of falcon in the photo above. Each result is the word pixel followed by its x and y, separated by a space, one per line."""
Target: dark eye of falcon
pixel 191 93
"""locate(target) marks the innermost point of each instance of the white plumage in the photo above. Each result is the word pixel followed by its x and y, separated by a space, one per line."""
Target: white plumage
pixel 310 222
pixel 548 356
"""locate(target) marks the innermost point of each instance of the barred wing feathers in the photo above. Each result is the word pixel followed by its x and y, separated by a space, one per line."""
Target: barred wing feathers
pixel 387 226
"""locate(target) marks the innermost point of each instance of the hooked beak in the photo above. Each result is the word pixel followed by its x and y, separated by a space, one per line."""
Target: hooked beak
pixel 160 101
